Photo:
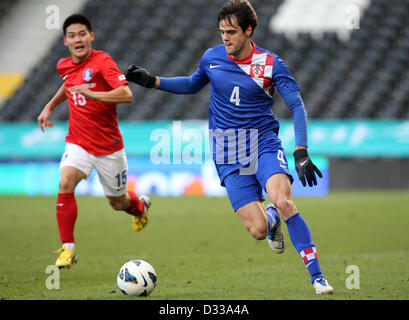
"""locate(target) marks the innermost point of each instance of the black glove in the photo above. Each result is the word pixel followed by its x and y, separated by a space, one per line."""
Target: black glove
pixel 140 76
pixel 305 168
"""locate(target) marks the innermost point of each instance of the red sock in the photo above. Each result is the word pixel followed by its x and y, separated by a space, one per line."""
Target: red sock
pixel 136 207
pixel 66 216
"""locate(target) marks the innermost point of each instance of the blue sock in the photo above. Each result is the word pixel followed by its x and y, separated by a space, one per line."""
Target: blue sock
pixel 300 236
pixel 272 217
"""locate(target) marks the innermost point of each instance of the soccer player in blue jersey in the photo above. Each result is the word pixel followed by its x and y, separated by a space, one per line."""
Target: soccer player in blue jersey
pixel 244 139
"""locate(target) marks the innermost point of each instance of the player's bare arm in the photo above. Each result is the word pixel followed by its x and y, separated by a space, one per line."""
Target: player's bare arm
pixel 122 94
pixel 58 98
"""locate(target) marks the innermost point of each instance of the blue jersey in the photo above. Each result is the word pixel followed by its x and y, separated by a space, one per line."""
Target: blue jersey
pixel 240 112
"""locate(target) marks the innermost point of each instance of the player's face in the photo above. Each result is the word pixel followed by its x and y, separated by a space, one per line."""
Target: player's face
pixel 78 40
pixel 236 42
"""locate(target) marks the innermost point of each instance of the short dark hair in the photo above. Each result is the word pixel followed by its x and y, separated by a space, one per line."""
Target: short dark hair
pixel 242 10
pixel 76 18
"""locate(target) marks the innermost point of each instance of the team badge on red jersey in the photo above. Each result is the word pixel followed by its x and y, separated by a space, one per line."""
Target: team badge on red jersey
pixel 87 75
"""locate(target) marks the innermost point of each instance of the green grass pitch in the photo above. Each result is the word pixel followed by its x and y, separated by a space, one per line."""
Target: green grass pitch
pixel 200 250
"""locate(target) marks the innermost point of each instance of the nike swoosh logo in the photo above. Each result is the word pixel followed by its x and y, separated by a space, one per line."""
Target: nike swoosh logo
pixel 304 162
pixel 308 264
pixel 214 66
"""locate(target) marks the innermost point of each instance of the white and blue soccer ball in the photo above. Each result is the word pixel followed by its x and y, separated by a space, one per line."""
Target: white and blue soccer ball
pixel 136 278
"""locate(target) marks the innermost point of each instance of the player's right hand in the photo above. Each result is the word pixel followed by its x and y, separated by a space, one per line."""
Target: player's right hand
pixel 43 119
pixel 305 168
pixel 140 76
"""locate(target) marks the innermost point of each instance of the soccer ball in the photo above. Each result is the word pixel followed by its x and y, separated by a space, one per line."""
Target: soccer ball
pixel 136 278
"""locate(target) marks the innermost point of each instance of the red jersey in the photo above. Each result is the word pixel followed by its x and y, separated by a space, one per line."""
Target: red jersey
pixel 92 124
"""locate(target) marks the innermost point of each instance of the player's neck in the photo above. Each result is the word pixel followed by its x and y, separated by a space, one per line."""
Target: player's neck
pixel 78 60
pixel 245 52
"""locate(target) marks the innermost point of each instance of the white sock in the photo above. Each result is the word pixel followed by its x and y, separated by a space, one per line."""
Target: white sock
pixel 69 245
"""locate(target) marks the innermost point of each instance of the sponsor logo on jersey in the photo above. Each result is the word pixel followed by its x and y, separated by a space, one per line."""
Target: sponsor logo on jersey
pixel 87 75
pixel 89 85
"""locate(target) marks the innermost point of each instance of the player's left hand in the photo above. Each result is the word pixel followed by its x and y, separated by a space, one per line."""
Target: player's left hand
pixel 84 91
pixel 305 168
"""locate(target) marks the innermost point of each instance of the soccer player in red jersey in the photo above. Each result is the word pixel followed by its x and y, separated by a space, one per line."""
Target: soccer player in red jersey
pixel 93 86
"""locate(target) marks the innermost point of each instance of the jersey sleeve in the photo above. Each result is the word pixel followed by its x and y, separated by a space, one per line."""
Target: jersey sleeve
pixel 186 85
pixel 61 67
pixel 111 73
pixel 288 88
pixel 282 78
pixel 58 67
pixel 297 108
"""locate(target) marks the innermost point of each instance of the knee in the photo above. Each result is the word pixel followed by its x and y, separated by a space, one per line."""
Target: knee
pixel 66 185
pixel 285 207
pixel 116 204
pixel 258 232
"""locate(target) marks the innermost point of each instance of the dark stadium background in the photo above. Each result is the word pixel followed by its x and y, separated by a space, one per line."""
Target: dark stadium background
pixel 364 77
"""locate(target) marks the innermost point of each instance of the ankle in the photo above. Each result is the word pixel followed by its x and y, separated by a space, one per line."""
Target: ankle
pixel 69 246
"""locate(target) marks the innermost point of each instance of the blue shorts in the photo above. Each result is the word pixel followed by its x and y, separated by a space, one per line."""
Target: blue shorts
pixel 243 189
